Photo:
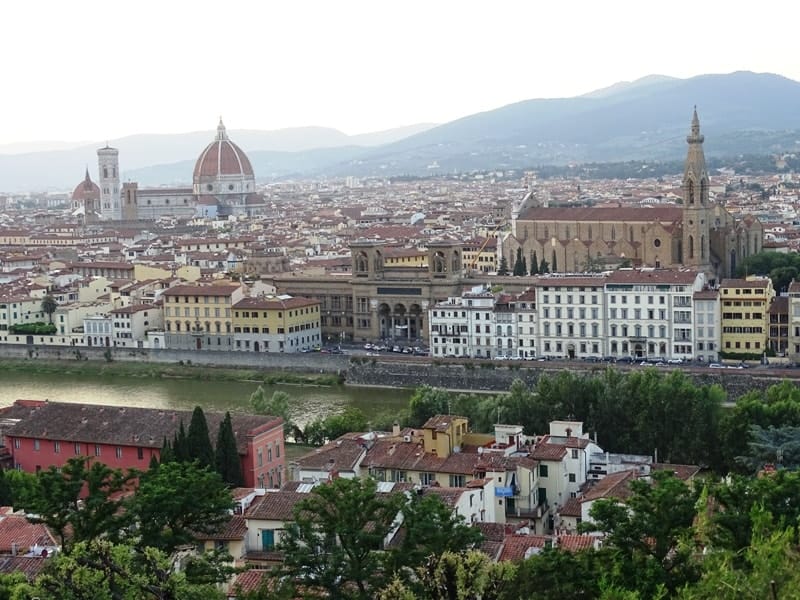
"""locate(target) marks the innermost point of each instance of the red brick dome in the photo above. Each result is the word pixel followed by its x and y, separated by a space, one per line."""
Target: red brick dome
pixel 222 158
pixel 86 190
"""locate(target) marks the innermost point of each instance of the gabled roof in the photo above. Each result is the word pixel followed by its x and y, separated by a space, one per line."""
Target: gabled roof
pixel 340 455
pixel 122 425
pixel 615 485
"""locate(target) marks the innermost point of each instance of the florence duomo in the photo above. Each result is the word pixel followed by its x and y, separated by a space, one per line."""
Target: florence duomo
pixel 698 233
pixel 223 183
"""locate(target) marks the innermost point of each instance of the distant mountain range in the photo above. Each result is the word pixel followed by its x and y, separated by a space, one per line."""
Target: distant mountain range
pixel 741 112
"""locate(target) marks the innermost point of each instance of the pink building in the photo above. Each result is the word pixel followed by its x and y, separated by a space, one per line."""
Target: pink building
pixel 39 434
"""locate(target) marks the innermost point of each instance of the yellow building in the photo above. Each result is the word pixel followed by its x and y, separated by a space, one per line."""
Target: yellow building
pixel 276 324
pixel 480 254
pixel 745 314
pixel 444 434
pixel 405 257
pixel 199 317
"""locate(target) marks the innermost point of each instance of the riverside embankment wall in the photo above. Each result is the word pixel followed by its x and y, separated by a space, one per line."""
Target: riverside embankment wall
pixel 374 371
pixel 487 377
pixel 302 363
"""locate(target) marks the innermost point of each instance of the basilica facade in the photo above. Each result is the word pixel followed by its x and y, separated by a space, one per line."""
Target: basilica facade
pixel 698 233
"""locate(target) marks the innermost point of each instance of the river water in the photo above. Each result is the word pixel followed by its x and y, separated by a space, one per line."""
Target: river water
pixel 308 402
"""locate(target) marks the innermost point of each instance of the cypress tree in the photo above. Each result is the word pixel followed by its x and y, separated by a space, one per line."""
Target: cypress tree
pixel 167 453
pixel 544 267
pixel 524 266
pixel 554 264
pixel 534 264
pixel 227 456
pixel 153 466
pixel 198 442
pixel 6 493
pixel 518 268
pixel 180 446
pixel 503 269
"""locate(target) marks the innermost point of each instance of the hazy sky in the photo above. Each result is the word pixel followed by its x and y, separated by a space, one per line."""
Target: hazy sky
pixel 91 70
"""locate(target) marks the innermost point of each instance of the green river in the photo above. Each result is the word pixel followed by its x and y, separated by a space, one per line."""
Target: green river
pixel 309 402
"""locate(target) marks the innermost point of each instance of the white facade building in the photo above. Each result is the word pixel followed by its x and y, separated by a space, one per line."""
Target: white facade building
pixel 130 325
pixel 570 310
pixel 464 326
pixel 708 325
pixel 650 313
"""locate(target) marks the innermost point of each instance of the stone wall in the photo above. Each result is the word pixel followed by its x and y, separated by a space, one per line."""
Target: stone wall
pixel 488 377
pixel 312 362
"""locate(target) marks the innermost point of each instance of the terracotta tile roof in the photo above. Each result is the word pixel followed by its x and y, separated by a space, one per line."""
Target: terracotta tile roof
pixel 516 546
pixel 201 290
pixel 275 303
pixel 28 566
pixel 120 425
pixel 440 422
pixel 495 532
pixel 706 295
pixel 683 472
pixel 275 506
pixel 408 456
pixel 570 508
pixel 744 283
pixel 662 276
pixel 630 214
pixel 549 452
pixel 16 529
pixel 575 543
pixel 448 495
pixel 247 582
pixel 234 529
pixel 340 455
pixel 615 485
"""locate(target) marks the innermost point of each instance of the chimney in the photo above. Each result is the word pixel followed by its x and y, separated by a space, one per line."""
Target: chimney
pixel 396 429
pixel 569 432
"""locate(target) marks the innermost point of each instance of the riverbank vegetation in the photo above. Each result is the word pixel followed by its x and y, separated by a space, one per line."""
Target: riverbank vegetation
pixel 664 415
pixel 183 370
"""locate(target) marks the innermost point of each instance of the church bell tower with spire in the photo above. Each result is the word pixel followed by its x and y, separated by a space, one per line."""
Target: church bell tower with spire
pixel 696 246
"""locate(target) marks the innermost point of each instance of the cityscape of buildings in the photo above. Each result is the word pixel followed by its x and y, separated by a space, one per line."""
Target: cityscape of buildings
pixel 640 269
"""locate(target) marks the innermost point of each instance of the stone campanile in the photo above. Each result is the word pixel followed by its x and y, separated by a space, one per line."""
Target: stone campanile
pixel 108 166
pixel 696 206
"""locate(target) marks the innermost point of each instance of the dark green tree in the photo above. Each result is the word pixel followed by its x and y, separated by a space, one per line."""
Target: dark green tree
pixel 544 267
pixel 518 266
pixel 228 463
pixel 779 446
pixel 176 502
pixel 534 264
pixel 554 263
pixel 650 535
pixel 78 498
pixel 426 402
pixel 180 445
pixel 503 268
pixel 334 544
pixel 198 441
pixel 49 306
pixel 153 463
pixel 100 569
pixel 331 427
pixel 167 454
pixel 431 528
pixel 6 493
